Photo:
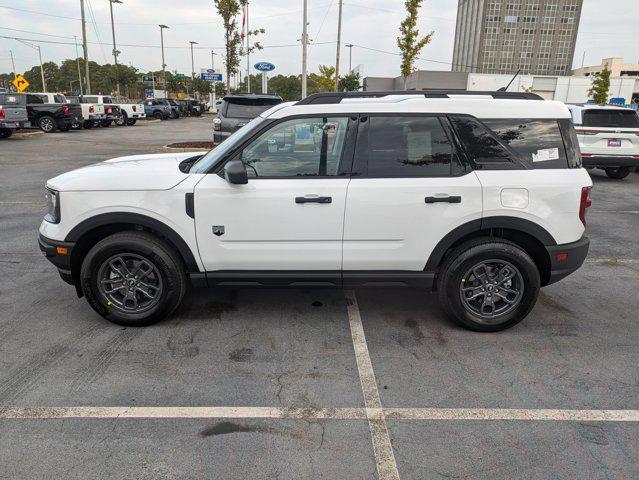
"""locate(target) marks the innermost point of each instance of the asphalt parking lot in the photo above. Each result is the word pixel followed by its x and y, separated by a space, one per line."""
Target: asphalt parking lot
pixel 311 383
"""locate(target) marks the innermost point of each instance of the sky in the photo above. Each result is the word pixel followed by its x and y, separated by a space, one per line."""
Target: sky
pixel 607 29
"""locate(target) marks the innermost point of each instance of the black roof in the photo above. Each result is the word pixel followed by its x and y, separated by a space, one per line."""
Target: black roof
pixel 336 97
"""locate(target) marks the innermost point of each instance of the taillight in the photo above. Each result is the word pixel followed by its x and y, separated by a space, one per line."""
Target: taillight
pixel 91 109
pixel 135 109
pixel 65 109
pixel 107 109
pixel 584 204
pixel 1 112
pixel 217 125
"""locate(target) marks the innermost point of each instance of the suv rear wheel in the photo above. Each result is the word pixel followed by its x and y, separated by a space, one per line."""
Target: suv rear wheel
pixel 618 173
pixel 488 285
pixel 133 278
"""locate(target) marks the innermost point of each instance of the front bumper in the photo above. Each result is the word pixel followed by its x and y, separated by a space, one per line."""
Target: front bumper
pixel 58 253
pixel 609 161
pixel 567 258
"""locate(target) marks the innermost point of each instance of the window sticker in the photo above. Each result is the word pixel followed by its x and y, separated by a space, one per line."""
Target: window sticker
pixel 546 155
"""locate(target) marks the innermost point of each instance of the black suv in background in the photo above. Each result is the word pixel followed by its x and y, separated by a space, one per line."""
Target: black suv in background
pixel 13 113
pixel 191 107
pixel 237 110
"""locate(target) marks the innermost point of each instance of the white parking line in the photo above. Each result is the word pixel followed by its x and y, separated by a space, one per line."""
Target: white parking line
pixel 384 456
pixel 374 414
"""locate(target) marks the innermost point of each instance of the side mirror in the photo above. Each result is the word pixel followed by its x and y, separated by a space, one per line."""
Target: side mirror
pixel 235 172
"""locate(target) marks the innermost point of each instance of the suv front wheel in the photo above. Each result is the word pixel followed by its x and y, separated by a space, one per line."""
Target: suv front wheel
pixel 133 278
pixel 488 285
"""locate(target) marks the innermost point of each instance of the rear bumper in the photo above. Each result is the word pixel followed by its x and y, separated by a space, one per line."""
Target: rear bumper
pixel 52 251
pixel 609 161
pixel 567 258
pixel 68 120
pixel 11 125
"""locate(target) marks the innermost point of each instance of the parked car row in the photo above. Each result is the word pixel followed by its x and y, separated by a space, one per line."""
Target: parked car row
pixel 166 108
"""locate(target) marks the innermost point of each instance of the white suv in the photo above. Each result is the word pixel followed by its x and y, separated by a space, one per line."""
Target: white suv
pixel 479 197
pixel 608 138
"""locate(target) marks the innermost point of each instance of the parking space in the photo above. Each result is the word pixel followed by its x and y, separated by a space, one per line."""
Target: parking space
pixel 311 383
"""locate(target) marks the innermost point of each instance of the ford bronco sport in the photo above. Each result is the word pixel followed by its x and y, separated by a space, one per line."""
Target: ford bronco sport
pixel 478 197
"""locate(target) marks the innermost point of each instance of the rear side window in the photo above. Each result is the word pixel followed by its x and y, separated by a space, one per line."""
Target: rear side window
pixel 538 142
pixel 608 117
pixel 480 142
pixel 405 147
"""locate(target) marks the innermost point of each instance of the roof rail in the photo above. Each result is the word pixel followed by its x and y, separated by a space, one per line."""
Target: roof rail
pixel 337 97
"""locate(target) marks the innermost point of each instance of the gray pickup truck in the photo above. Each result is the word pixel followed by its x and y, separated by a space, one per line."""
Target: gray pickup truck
pixel 13 113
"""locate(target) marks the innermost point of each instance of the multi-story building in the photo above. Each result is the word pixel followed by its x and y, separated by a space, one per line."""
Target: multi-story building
pixel 615 65
pixel 503 36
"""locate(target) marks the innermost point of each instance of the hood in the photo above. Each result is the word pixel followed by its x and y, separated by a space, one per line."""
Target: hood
pixel 137 172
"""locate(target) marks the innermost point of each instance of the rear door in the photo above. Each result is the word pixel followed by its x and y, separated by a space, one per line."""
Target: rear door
pixel 408 190
pixel 609 131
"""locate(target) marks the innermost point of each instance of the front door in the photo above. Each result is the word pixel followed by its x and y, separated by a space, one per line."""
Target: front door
pixel 408 191
pixel 290 215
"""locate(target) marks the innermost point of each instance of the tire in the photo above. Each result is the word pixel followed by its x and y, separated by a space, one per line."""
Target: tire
pixel 174 114
pixel 122 121
pixel 5 132
pixel 618 173
pixel 131 121
pixel 88 125
pixel 167 276
pixel 77 126
pixel 65 128
pixel 158 115
pixel 47 124
pixel 456 280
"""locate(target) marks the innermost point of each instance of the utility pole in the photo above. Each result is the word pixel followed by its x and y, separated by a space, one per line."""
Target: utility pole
pixel 13 64
pixel 304 48
pixel 115 50
pixel 162 27
pixel 248 53
pixel 192 60
pixel 85 47
pixel 350 57
pixel 339 39
pixel 77 60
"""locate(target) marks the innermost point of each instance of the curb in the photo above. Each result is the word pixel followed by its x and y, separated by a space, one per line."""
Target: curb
pixel 21 134
pixel 155 120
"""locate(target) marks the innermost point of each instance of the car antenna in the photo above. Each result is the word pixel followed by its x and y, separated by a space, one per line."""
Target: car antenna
pixel 503 89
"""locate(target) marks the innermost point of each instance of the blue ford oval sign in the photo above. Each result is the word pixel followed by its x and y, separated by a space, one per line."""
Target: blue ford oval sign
pixel 264 66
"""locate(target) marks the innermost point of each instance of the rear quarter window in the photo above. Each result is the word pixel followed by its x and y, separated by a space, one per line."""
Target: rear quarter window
pixel 602 117
pixel 538 143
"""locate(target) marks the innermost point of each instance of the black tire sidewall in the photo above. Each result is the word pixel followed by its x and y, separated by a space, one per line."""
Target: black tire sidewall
pixel 131 121
pixel 618 173
pixel 451 279
pixel 173 279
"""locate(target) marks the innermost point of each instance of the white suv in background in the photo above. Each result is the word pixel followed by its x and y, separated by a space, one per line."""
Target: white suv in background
pixel 478 197
pixel 608 138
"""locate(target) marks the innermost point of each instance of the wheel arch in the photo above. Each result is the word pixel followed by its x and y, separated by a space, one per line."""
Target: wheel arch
pixel 89 232
pixel 529 236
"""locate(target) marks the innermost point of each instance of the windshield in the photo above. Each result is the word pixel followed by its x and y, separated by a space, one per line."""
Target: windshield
pixel 204 164
pixel 249 108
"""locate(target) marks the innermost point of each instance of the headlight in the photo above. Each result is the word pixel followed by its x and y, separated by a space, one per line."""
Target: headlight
pixel 53 206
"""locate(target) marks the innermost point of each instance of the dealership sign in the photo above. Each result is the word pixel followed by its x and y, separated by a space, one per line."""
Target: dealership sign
pixel 264 67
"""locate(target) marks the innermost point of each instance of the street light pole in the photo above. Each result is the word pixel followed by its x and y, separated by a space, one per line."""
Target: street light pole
pixel 192 60
pixel 36 47
pixel 85 47
pixel 248 52
pixel 350 57
pixel 212 98
pixel 77 60
pixel 304 48
pixel 115 50
pixel 162 27
pixel 13 64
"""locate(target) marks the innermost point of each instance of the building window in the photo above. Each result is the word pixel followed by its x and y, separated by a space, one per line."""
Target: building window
pixel 512 7
pixel 493 18
pixel 490 30
pixel 510 19
pixel 509 43
pixel 570 8
pixel 527 43
pixel 551 8
pixel 568 20
pixel 565 33
pixel 547 31
pixel 545 44
pixel 510 31
pixel 530 19
pixel 544 55
pixel 524 55
pixel 528 31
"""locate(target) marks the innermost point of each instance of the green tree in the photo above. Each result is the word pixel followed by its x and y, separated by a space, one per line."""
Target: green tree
pixel 288 87
pixel 34 77
pixel 200 86
pixel 600 86
pixel 322 82
pixel 409 41
pixel 350 83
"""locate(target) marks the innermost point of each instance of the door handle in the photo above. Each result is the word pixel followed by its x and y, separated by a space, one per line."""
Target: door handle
pixel 446 199
pixel 309 199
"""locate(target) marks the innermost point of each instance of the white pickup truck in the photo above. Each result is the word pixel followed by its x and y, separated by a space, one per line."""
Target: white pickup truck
pixel 131 112
pixel 93 113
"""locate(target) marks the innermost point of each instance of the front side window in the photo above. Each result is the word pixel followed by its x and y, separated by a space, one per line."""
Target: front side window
pixel 406 147
pixel 538 142
pixel 303 147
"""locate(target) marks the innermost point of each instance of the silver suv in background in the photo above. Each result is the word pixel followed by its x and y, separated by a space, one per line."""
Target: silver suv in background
pixel 608 138
pixel 237 110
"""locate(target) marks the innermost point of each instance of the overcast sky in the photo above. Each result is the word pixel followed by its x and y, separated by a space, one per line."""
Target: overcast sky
pixel 604 32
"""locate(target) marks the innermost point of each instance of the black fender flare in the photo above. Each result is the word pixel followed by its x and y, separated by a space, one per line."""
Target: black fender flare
pixel 129 218
pixel 511 223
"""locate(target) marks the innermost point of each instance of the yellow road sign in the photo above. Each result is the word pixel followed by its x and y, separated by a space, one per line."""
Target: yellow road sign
pixel 21 83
